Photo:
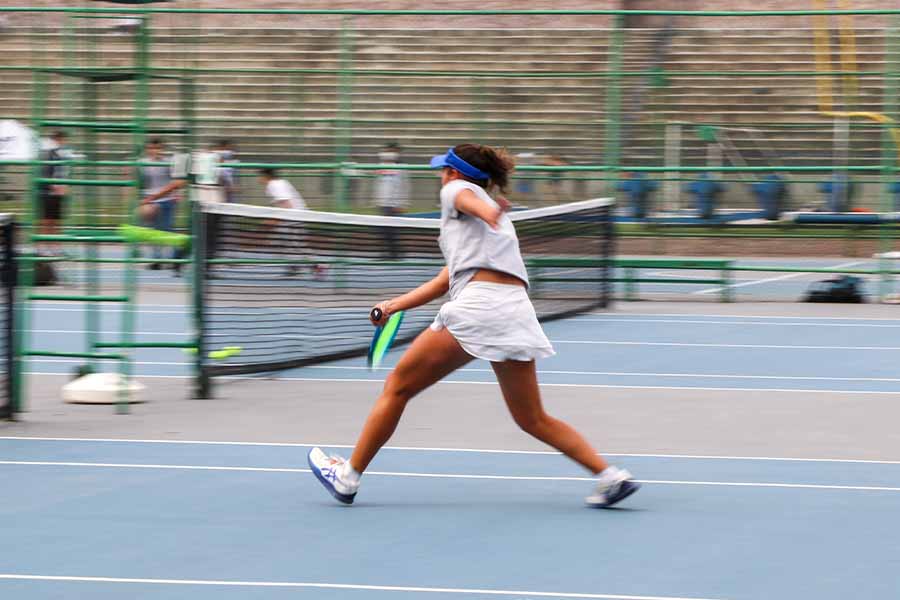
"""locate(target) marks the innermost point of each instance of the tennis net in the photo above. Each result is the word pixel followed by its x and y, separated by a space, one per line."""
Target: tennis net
pixel 286 288
pixel 7 320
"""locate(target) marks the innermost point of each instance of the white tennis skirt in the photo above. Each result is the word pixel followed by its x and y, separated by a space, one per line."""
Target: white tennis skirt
pixel 494 322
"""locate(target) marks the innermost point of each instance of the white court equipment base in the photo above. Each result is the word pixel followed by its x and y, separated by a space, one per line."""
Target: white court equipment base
pixel 101 388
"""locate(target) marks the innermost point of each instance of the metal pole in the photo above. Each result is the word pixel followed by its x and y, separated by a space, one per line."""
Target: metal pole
pixel 141 101
pixel 14 349
pixel 203 388
pixel 890 155
pixel 91 270
pixel 38 108
pixel 344 123
pixel 672 158
pixel 614 101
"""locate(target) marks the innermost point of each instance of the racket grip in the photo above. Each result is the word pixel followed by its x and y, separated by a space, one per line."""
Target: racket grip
pixel 376 314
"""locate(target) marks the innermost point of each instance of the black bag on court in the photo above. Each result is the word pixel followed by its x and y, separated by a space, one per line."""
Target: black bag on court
pixel 845 288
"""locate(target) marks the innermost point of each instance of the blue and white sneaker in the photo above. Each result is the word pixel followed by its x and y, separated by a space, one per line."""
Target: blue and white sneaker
pixel 331 471
pixel 614 485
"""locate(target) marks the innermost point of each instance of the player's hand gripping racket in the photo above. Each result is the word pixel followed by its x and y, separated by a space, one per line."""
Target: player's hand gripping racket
pixel 384 336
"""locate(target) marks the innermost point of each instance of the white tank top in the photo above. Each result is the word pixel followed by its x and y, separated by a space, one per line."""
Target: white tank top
pixel 469 244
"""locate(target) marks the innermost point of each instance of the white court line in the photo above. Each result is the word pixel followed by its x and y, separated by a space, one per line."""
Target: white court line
pixel 440 449
pixel 184 309
pixel 676 275
pixel 467 476
pixel 543 384
pixel 82 331
pixel 338 586
pixel 40 359
pixel 678 344
pixel 778 278
pixel 727 316
pixel 612 319
pixel 692 345
pixel 633 374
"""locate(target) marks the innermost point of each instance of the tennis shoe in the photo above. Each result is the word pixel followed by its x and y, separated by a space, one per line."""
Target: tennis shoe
pixel 332 472
pixel 614 485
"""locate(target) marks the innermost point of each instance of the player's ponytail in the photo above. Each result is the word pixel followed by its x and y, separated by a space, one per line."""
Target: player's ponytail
pixel 496 162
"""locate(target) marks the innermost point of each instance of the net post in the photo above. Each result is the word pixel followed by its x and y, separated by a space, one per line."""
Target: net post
pixel 608 250
pixel 9 409
pixel 202 389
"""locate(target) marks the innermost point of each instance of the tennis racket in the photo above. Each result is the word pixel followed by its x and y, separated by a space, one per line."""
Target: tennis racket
pixel 384 337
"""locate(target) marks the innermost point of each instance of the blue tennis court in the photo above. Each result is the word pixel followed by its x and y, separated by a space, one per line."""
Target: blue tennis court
pixel 719 346
pixel 149 520
pixel 764 434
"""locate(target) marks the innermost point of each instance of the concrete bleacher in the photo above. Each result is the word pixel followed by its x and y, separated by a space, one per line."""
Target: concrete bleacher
pixel 291 110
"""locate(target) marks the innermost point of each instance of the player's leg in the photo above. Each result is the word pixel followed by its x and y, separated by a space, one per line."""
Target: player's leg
pixel 518 381
pixel 431 357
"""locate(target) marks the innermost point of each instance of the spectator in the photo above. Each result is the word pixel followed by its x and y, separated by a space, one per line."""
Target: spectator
pixel 284 195
pixel 227 176
pixel 160 196
pixel 280 191
pixel 225 190
pixel 391 192
pixel 52 196
pixel 392 186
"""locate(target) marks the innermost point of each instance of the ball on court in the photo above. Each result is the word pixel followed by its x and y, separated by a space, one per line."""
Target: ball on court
pixel 219 354
pixel 233 350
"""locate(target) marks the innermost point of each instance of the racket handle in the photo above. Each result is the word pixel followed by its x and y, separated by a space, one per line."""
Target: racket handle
pixel 376 314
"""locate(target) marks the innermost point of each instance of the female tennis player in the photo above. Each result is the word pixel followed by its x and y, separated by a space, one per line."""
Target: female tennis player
pixel 489 316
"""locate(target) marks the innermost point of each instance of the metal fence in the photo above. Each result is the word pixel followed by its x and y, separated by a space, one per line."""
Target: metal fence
pixel 701 90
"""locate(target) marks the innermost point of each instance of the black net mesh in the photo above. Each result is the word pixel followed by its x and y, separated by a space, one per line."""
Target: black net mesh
pixel 287 288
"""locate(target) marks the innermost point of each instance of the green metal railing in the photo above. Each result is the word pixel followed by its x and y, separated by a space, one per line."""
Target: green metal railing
pixel 84 116
pixel 610 135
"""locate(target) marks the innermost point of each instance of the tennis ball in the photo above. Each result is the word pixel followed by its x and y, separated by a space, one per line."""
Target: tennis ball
pixel 190 350
pixel 219 354
pixel 233 350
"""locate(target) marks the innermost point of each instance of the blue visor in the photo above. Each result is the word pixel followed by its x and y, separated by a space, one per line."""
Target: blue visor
pixel 454 162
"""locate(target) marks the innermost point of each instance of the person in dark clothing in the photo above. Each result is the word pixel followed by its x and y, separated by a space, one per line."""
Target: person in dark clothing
pixel 52 196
